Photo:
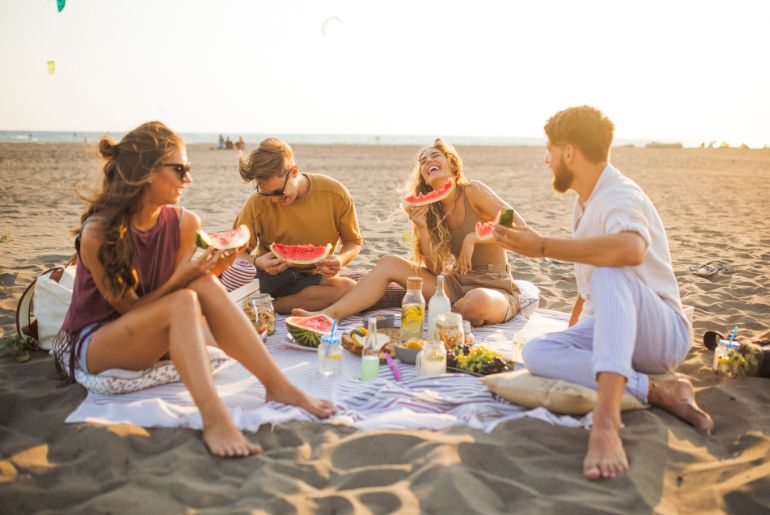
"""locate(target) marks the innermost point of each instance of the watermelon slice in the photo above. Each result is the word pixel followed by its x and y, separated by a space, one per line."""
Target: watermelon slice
pixel 307 331
pixel 505 217
pixel 229 240
pixel 423 199
pixel 484 230
pixel 300 254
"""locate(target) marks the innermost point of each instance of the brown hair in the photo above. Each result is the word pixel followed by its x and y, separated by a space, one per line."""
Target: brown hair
pixel 128 168
pixel 586 128
pixel 441 249
pixel 273 158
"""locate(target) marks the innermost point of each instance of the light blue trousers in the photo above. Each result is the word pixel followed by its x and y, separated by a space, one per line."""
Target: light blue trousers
pixel 632 332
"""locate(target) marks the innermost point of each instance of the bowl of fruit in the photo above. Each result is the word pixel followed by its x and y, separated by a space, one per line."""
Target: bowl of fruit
pixel 407 351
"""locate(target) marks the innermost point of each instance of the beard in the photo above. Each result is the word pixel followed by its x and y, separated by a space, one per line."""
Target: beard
pixel 562 177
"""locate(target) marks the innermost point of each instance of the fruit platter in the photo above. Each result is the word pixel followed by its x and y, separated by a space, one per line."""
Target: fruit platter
pixel 354 340
pixel 476 360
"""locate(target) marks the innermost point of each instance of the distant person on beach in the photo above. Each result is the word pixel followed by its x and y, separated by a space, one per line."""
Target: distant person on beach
pixel 221 144
pixel 240 144
pixel 297 208
pixel 140 295
pixel 627 321
pixel 478 281
pixel 228 143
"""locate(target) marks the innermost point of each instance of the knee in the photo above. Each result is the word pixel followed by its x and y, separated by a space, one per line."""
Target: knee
pixel 185 304
pixel 389 261
pixel 532 354
pixel 473 312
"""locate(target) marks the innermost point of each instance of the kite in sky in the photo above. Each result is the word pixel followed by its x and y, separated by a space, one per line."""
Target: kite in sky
pixel 60 4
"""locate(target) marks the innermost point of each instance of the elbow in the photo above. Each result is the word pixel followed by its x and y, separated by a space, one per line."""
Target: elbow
pixel 633 256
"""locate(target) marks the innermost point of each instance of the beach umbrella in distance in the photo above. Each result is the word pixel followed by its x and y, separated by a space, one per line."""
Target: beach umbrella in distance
pixel 326 22
pixel 51 67
pixel 60 4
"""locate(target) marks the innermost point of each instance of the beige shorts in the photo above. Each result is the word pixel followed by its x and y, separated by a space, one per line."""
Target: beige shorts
pixel 493 277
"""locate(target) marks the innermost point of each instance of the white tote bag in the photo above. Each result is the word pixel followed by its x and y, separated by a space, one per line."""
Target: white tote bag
pixel 50 301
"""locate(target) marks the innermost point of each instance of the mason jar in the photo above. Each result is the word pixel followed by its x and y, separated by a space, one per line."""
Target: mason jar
pixel 264 313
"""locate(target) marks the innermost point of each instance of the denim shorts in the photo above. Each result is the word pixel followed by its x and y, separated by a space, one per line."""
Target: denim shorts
pixel 288 282
pixel 89 331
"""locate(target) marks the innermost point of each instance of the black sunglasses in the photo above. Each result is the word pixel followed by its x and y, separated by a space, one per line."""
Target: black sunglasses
pixel 276 193
pixel 180 168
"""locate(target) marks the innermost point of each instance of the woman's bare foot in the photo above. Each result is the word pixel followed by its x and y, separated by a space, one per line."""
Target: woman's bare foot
pixel 226 441
pixel 678 398
pixel 289 394
pixel 606 458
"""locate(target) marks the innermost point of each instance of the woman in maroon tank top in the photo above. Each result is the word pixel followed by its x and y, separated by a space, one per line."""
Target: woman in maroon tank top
pixel 139 294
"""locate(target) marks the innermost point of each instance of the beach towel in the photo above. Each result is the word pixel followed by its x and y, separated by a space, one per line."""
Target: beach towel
pixel 414 402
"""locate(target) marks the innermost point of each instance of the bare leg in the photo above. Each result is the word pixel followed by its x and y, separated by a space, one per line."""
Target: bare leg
pixel 171 324
pixel 371 287
pixel 237 337
pixel 482 306
pixel 678 398
pixel 606 458
pixel 318 297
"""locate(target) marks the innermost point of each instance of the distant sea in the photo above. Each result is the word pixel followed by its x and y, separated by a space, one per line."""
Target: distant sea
pixel 299 139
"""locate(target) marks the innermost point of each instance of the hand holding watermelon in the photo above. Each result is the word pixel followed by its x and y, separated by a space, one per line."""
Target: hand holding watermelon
pixel 271 264
pixel 329 266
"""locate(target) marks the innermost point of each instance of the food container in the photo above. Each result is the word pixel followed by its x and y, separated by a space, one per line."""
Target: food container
pixel 263 313
pixel 449 330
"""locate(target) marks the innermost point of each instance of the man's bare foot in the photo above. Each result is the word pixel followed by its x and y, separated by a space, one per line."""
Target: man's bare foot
pixel 289 394
pixel 678 398
pixel 226 441
pixel 606 458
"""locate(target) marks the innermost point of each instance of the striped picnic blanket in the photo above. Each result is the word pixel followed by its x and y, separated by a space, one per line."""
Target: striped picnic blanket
pixel 414 402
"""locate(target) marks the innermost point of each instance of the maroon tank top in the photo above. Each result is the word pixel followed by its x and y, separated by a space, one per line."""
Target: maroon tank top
pixel 155 252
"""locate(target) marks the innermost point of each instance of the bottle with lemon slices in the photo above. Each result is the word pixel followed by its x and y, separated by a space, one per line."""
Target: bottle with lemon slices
pixel 412 310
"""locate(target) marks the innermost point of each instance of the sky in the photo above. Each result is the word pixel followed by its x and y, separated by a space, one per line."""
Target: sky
pixel 666 70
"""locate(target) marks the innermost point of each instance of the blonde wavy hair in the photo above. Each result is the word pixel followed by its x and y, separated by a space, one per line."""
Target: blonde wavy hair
pixel 440 246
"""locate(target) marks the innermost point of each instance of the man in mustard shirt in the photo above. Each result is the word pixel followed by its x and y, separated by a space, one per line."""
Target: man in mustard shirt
pixel 297 208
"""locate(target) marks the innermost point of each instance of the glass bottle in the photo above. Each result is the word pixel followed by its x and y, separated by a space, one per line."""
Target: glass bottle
pixel 431 360
pixel 330 354
pixel 438 305
pixel 412 310
pixel 370 354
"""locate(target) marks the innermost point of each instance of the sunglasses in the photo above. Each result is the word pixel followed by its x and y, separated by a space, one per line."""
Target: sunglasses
pixel 180 168
pixel 276 193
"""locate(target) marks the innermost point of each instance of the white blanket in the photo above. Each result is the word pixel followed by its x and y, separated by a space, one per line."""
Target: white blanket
pixel 414 402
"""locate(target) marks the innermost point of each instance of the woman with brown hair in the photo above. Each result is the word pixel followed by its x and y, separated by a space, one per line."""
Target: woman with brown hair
pixel 478 277
pixel 140 294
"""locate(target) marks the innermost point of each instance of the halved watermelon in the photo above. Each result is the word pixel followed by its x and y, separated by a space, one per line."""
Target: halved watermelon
pixel 423 199
pixel 484 230
pixel 300 254
pixel 229 240
pixel 307 331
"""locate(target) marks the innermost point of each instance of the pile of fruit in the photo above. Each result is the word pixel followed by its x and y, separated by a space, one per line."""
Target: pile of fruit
pixel 478 360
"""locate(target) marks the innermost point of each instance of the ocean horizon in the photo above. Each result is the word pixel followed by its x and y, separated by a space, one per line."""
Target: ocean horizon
pixel 212 138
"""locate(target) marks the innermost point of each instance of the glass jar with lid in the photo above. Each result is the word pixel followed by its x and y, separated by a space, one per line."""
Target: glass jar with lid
pixel 264 313
pixel 449 330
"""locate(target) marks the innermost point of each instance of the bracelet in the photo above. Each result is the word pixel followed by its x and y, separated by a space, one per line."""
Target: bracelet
pixel 542 249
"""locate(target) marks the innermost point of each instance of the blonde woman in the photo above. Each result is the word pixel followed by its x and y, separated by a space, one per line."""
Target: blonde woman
pixel 478 277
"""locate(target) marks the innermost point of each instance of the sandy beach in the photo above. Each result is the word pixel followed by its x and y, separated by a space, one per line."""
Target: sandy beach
pixel 711 201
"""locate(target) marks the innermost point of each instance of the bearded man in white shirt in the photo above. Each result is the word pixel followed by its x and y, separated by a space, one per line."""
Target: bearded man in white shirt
pixel 627 321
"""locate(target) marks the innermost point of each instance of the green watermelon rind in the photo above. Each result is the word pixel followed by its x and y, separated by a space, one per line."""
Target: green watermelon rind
pixel 303 335
pixel 277 253
pixel 506 217
pixel 204 240
pixel 433 196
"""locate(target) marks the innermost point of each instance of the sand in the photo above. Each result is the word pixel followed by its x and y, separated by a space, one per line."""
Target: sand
pixel 713 202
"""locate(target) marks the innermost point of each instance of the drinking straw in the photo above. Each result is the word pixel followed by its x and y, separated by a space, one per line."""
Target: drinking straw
pixel 393 367
pixel 733 333
pixel 334 326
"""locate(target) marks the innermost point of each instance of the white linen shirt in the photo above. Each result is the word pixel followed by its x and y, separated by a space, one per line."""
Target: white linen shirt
pixel 617 204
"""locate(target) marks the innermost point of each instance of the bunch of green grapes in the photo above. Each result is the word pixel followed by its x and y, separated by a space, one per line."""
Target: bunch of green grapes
pixel 479 360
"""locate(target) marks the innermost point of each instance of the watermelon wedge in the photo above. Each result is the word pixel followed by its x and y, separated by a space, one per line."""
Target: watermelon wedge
pixel 307 331
pixel 300 254
pixel 484 230
pixel 423 199
pixel 505 217
pixel 229 240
